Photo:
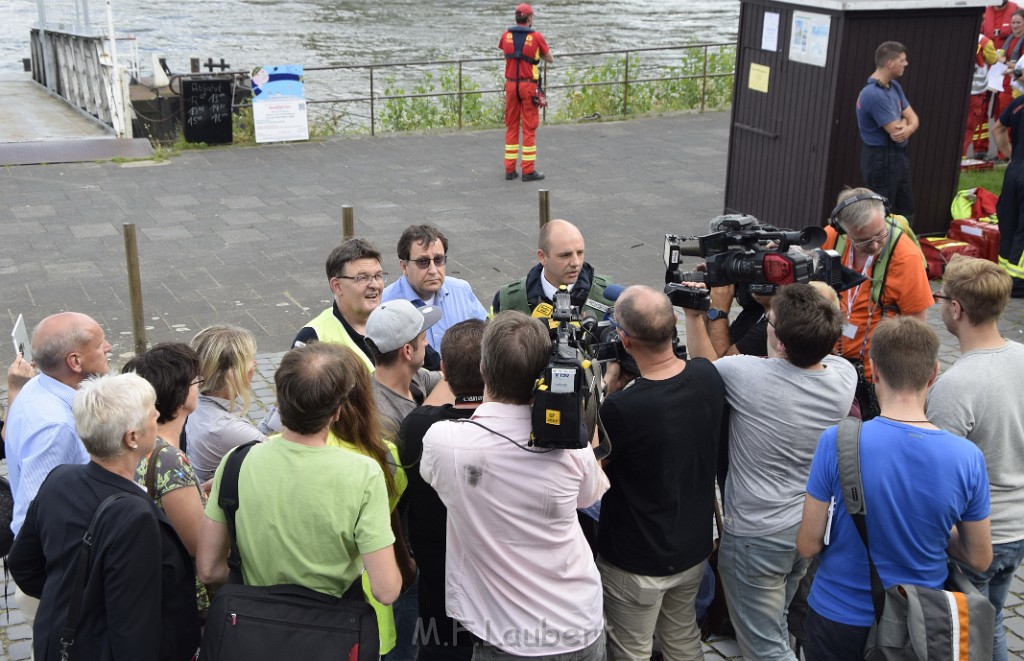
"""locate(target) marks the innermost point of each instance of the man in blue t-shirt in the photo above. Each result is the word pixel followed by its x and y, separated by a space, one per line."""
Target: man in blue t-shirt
pixel 920 483
pixel 886 122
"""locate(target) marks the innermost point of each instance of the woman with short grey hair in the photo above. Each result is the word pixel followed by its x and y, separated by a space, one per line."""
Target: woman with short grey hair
pixel 137 601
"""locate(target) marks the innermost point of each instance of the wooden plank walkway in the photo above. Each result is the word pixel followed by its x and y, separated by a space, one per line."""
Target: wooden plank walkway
pixel 39 127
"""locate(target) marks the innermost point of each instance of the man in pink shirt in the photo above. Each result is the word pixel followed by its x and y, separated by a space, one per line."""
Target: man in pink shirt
pixel 519 574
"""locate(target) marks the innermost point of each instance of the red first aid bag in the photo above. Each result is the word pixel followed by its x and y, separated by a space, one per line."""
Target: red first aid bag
pixel 939 250
pixel 984 236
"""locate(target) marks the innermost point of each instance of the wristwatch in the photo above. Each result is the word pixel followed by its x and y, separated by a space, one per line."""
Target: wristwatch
pixel 714 314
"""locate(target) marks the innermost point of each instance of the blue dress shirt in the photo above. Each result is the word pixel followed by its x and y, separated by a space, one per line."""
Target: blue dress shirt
pixel 455 298
pixel 40 436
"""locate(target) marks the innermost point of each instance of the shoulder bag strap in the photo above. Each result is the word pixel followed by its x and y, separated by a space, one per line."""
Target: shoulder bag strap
pixel 150 479
pixel 228 502
pixel 67 634
pixel 848 451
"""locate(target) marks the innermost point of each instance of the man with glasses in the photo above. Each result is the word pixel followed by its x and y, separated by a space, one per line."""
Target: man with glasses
pixel 357 279
pixel 778 412
pixel 878 248
pixel 979 398
pixel 655 532
pixel 423 258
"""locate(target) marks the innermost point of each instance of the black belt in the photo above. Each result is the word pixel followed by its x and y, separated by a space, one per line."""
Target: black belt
pixel 520 80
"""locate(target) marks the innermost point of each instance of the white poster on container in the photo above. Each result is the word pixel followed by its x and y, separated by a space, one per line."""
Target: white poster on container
pixel 808 42
pixel 279 103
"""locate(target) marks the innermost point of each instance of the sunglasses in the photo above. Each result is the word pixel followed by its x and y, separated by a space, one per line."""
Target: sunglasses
pixel 424 262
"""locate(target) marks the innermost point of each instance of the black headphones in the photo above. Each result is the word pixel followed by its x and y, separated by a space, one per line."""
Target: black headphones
pixel 833 220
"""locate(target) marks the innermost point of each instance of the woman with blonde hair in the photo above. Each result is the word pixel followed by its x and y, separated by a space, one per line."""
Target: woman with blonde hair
pixel 227 362
pixel 358 429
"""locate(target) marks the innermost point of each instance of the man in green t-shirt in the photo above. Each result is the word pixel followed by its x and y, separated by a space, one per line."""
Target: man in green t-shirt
pixel 310 514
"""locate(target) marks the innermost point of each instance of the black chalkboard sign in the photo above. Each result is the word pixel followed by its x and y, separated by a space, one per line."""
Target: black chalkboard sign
pixel 206 110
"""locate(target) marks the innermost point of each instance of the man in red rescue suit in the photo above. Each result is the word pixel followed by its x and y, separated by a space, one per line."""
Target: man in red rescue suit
pixel 524 48
pixel 977 113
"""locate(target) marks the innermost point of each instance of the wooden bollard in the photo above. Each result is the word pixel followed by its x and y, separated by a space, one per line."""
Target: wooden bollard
pixel 131 253
pixel 545 206
pixel 348 223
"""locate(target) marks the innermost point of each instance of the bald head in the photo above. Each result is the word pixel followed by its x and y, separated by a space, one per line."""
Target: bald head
pixel 70 347
pixel 646 315
pixel 560 252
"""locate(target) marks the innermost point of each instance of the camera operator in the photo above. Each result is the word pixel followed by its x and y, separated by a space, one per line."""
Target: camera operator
pixel 518 573
pixel 876 246
pixel 748 334
pixel 779 408
pixel 655 533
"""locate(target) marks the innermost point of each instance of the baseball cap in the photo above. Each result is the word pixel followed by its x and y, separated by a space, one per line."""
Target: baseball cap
pixel 398 322
pixel 524 10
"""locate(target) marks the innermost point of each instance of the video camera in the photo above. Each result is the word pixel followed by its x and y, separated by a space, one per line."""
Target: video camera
pixel 742 250
pixel 566 396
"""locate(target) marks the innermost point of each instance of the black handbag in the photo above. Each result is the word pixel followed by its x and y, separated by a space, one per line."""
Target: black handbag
pixel 6 516
pixel 257 623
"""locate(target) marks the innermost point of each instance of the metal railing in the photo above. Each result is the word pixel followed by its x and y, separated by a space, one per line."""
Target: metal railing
pixel 472 77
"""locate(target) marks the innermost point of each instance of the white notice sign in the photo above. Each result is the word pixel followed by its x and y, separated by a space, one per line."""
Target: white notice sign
pixel 280 119
pixel 808 42
pixel 770 32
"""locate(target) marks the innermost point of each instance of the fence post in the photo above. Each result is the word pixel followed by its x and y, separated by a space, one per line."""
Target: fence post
pixel 544 198
pixel 131 253
pixel 371 102
pixel 460 94
pixel 625 89
pixel 704 81
pixel 348 222
pixel 544 84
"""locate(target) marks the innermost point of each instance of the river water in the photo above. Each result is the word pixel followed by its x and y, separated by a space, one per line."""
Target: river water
pixel 331 32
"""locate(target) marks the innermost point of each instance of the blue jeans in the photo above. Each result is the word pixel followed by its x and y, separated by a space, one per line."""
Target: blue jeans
pixel 828 640
pixel 760 576
pixel 406 613
pixel 995 584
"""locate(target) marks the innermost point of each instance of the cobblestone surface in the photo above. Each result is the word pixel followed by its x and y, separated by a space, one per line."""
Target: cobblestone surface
pixel 240 236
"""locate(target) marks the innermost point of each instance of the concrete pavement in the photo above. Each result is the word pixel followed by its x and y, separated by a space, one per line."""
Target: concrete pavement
pixel 240 235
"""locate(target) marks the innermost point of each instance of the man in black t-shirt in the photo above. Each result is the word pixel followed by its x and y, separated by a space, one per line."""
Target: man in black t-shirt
pixel 440 637
pixel 655 533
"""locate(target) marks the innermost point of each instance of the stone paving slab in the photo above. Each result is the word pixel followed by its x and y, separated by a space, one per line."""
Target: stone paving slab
pixel 240 235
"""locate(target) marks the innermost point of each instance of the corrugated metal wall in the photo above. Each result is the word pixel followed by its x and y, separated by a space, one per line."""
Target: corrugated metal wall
pixel 793 149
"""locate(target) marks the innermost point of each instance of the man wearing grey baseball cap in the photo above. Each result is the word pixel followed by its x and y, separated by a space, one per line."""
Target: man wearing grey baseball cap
pixel 396 336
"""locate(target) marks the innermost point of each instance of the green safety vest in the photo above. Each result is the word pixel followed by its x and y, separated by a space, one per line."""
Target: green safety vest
pixel 329 329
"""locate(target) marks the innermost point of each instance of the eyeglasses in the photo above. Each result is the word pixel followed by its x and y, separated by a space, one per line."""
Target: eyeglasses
pixel 943 297
pixel 362 279
pixel 878 238
pixel 424 262
pixel 198 381
pixel 616 324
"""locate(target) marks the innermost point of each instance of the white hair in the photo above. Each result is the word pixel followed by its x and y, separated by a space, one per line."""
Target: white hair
pixel 108 407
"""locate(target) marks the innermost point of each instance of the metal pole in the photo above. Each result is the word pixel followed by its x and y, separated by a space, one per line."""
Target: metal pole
pixel 545 206
pixel 460 94
pixel 131 253
pixel 348 222
pixel 118 111
pixel 704 81
pixel 371 102
pixel 625 89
